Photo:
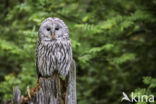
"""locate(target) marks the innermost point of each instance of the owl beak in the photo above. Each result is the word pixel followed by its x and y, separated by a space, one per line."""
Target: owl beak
pixel 53 35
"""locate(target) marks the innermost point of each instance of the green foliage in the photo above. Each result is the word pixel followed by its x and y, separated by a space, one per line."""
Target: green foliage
pixel 149 90
pixel 113 45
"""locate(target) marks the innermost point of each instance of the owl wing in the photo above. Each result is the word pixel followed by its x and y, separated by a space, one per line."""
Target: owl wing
pixel 37 69
pixel 71 85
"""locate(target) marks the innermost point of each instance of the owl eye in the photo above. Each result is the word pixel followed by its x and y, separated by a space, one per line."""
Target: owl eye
pixel 56 28
pixel 48 29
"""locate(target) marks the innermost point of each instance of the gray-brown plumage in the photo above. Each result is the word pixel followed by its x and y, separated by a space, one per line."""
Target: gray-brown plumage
pixel 55 66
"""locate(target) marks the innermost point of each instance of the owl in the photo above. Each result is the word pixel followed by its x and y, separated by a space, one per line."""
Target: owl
pixel 54 58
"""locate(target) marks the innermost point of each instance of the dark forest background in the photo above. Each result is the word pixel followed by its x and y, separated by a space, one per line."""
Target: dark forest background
pixel 114 46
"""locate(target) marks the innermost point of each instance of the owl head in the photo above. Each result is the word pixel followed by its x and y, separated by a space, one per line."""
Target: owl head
pixel 52 29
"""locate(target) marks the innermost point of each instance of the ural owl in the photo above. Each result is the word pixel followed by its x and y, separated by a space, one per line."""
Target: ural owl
pixel 55 63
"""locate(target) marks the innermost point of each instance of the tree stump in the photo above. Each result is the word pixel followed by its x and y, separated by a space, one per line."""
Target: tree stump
pixel 50 90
